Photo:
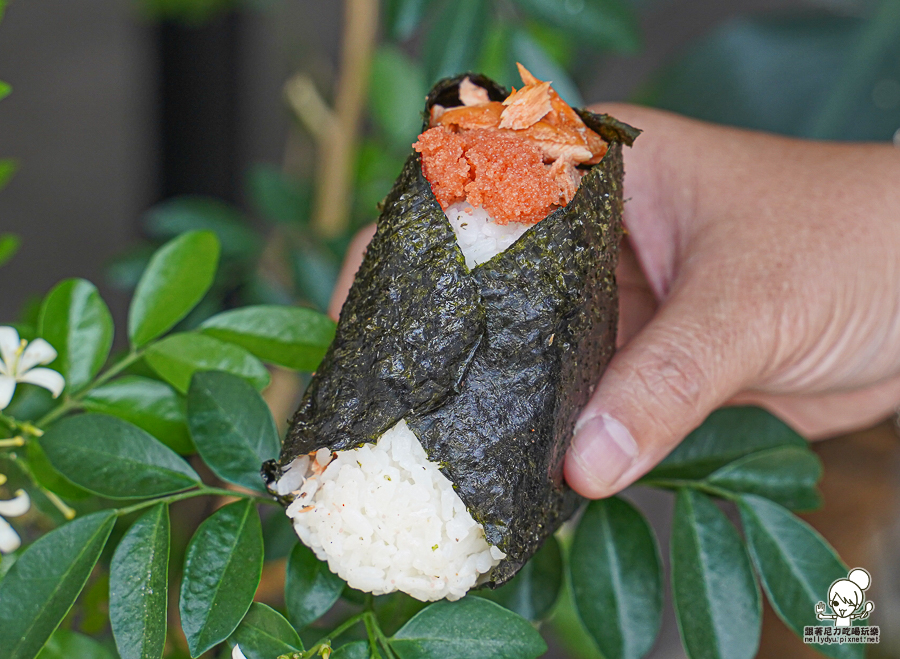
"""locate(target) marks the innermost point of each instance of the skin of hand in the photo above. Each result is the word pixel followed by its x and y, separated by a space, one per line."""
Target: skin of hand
pixel 757 270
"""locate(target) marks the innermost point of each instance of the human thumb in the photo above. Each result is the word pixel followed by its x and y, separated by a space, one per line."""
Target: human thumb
pixel 658 387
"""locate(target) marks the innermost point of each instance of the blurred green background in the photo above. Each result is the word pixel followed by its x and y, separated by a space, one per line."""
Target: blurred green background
pixel 135 121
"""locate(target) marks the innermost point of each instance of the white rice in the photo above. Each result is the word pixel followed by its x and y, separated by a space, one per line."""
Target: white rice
pixel 385 518
pixel 478 236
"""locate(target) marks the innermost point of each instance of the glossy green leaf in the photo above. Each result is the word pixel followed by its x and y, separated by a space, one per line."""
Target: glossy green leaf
pixel 454 40
pixel 534 58
pixel 8 168
pixel 9 246
pixel 139 586
pixel 786 475
pixel 47 475
pixel 795 564
pixel 265 634
pixel 396 90
pixel 471 628
pixel 76 321
pixel 727 435
pixel 607 24
pixel 402 17
pixel 176 279
pixel 113 458
pixel 44 582
pixel 66 644
pixel 535 589
pixel 310 588
pixel 149 404
pixel 177 357
pixel 222 568
pixel 195 213
pixel 354 650
pixel 616 578
pixel 278 197
pixel 293 337
pixel 232 427
pixel 712 582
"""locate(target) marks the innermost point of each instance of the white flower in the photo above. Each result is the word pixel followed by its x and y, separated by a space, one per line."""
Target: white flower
pixel 18 360
pixel 236 653
pixel 9 539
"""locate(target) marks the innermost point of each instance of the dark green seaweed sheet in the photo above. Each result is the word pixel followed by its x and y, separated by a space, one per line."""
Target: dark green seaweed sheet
pixel 490 367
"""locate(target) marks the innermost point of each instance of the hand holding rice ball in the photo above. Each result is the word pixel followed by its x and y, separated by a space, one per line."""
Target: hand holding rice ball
pixel 427 453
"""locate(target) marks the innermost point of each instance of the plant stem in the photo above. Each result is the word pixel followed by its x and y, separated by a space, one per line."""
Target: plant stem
pixel 380 635
pixel 334 182
pixel 201 490
pixel 14 442
pixel 74 402
pixel 348 623
pixel 700 486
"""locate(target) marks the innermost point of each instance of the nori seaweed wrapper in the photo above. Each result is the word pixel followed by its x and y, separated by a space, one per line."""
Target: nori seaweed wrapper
pixel 490 366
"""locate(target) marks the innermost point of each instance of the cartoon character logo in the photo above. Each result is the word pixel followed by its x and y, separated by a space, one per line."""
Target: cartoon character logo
pixel 846 599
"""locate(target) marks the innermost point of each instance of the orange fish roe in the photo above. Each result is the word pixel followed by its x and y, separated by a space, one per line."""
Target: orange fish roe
pixel 517 159
pixel 499 172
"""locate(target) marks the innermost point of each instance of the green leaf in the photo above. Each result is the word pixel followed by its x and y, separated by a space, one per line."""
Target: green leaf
pixel 76 321
pixel 8 167
pixel 278 197
pixel 616 578
pixel 176 279
pixel 715 593
pixel 535 589
pixel 607 24
pixel 454 40
pixel 139 586
pixel 310 588
pixel 265 634
pixel 786 475
pixel 472 628
pixel 222 568
pixel 861 74
pixel 293 337
pixel 232 427
pixel 44 582
pixel 795 564
pixel 149 404
pixel 315 273
pixel 177 357
pixel 66 644
pixel 396 90
pixel 534 58
pixel 496 60
pixel 727 435
pixel 194 213
pixel 47 476
pixel 113 458
pixel 787 74
pixel 9 245
pixel 354 650
pixel 402 17
pixel 5 89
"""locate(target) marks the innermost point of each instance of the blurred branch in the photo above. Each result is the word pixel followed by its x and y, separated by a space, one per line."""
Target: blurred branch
pixel 331 210
pixel 310 108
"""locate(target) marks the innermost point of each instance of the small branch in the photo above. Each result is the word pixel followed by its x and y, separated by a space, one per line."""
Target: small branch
pixel 334 182
pixel 310 108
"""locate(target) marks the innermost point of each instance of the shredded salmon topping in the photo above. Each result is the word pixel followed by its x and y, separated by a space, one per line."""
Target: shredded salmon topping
pixel 517 158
